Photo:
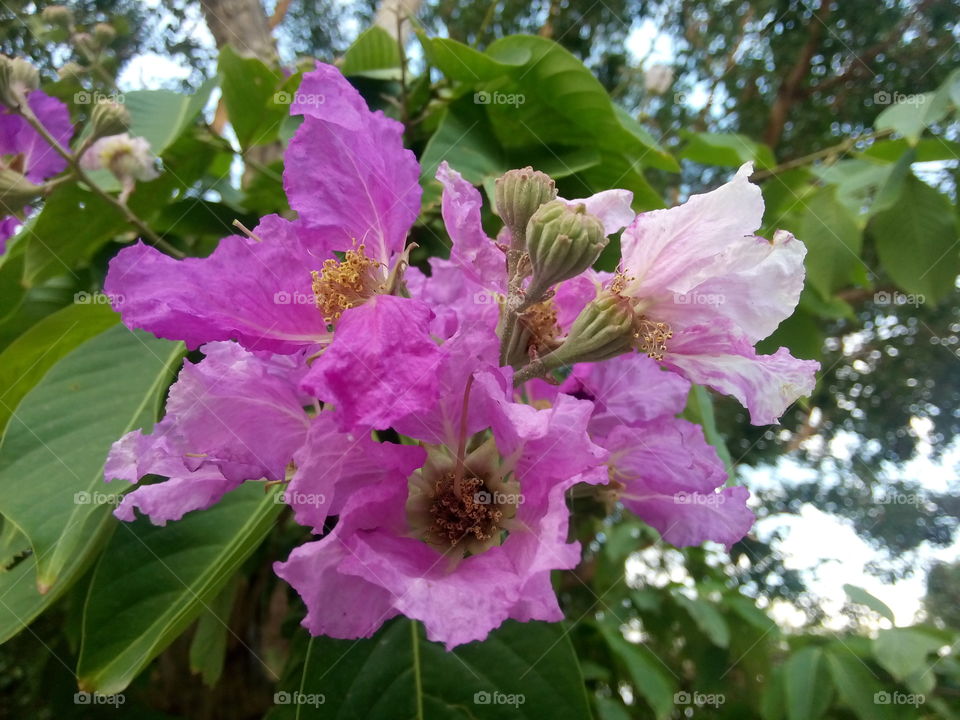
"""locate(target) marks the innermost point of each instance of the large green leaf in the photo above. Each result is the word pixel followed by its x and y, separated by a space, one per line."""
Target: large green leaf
pixel 53 452
pixel 250 92
pixel 910 115
pixel 30 356
pixel 833 241
pixel 917 241
pixel 161 116
pixel 708 618
pixel 904 651
pixel 151 582
pixel 856 684
pixel 807 685
pixel 373 54
pixel 726 150
pixel 522 670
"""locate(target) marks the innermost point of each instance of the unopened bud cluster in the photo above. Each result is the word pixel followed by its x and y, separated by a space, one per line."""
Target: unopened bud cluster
pixel 562 242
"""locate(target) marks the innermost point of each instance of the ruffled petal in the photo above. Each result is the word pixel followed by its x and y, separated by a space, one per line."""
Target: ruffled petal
pixel 474 254
pixel 612 207
pixel 40 161
pixel 673 250
pixel 627 390
pixel 381 365
pixel 346 171
pixel 716 356
pixel 258 293
pixel 332 464
pixel 755 284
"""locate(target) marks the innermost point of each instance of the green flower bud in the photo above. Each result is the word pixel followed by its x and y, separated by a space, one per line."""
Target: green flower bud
pixel 602 330
pixel 517 196
pixel 71 71
pixel 16 191
pixel 17 78
pixel 104 33
pixel 109 118
pixel 562 242
pixel 58 15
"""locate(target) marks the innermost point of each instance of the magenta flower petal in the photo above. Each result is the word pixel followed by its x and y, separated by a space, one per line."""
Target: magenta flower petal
pixel 173 498
pixel 346 171
pixel 685 519
pixel 233 416
pixel 381 365
pixel 715 355
pixel 627 390
pixel 258 293
pixel 474 254
pixel 331 465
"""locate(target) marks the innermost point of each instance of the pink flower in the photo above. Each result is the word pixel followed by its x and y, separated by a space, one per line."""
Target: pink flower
pixel 24 150
pixel 471 538
pixel 703 289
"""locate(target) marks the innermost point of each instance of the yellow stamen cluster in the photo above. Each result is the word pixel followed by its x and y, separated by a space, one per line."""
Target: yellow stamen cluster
pixel 540 321
pixel 343 284
pixel 651 337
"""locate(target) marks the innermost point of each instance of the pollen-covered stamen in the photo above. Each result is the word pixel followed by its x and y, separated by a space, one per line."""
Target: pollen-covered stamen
pixel 342 284
pixel 542 329
pixel 464 517
pixel 651 336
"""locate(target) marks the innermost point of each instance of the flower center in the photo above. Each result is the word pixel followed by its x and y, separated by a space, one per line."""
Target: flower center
pixel 343 284
pixel 463 515
pixel 650 336
pixel 540 321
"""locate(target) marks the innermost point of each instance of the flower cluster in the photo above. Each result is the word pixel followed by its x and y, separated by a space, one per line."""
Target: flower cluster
pixel 427 436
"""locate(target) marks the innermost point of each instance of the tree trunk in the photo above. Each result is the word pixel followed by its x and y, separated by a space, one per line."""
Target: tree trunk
pixel 242 24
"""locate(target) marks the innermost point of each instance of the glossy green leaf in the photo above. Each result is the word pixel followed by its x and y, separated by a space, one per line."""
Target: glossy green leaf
pixel 522 670
pixel 917 241
pixel 833 241
pixel 255 104
pixel 30 356
pixel 57 442
pixel 374 54
pixel 161 116
pixel 904 651
pixel 858 687
pixel 726 150
pixel 208 648
pixel 151 582
pixel 910 115
pixel 807 686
